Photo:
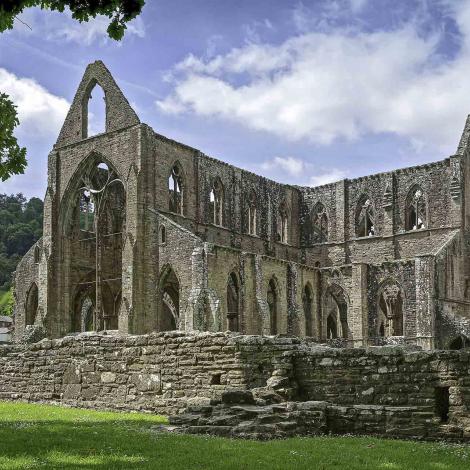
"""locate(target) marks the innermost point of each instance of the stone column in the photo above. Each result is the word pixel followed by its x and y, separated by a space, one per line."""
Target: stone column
pixel 425 304
pixel 358 315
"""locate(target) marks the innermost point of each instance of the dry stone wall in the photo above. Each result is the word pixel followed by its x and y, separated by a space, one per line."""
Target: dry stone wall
pixel 382 390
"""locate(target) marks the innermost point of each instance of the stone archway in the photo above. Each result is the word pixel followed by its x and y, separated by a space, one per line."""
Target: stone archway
pixel 169 300
pixel 93 218
pixel 335 313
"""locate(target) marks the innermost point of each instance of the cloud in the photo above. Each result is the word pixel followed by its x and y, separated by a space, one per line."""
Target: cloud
pixel 297 171
pixel 60 27
pixel 327 177
pixel 337 83
pixel 293 166
pixel 41 113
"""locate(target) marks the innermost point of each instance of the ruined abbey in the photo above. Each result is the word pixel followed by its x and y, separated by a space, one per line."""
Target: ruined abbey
pixel 144 234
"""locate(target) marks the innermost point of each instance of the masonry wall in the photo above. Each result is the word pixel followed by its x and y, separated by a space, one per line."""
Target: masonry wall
pixel 166 372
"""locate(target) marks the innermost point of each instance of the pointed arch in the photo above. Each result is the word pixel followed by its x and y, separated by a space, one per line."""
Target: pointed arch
pixel 32 302
pixel 365 217
pixel 319 219
pixel 416 209
pixel 176 187
pixel 335 313
pixel 390 319
pixel 94 110
pixel 93 221
pixel 216 202
pixel 233 302
pixel 169 291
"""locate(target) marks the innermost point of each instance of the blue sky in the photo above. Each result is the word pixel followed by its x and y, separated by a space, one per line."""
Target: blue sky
pixel 302 92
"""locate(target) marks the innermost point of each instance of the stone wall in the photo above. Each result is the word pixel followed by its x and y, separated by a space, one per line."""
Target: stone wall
pixel 384 390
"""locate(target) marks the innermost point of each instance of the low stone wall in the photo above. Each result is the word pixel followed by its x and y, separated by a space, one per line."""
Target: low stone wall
pixel 382 390
pixel 162 372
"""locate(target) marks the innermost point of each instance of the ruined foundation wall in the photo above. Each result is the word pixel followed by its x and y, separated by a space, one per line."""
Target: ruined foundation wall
pixel 167 372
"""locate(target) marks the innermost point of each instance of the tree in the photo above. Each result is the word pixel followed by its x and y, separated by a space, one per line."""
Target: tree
pixel 12 156
pixel 120 12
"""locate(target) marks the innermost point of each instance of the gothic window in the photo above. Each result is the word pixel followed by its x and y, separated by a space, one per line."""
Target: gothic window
pixel 162 235
pixel 37 255
pixel 415 211
pixel 336 313
pixel 365 218
pixel 233 303
pixel 175 190
pixel 282 223
pixel 98 220
pixel 94 111
pixel 170 291
pixel 390 311
pixel 320 224
pixel 252 214
pixel 216 202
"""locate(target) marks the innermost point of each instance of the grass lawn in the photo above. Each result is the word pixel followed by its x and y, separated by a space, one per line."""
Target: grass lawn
pixel 50 437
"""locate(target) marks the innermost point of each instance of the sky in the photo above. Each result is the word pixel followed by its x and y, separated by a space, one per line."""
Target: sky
pixel 303 92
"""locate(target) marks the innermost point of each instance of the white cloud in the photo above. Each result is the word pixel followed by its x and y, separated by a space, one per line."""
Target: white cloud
pixel 336 84
pixel 41 113
pixel 61 27
pixel 293 166
pixel 297 171
pixel 327 177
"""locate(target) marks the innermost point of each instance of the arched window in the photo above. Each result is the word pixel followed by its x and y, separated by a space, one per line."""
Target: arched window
pixel 460 342
pixel 170 291
pixel 175 190
pixel 216 202
pixel 31 304
pixel 252 214
pixel 272 299
pixel 283 223
pixel 415 211
pixel 94 114
pixel 320 224
pixel 390 311
pixel 233 303
pixel 365 218
pixel 307 301
pixel 37 254
pixel 162 235
pixel 336 313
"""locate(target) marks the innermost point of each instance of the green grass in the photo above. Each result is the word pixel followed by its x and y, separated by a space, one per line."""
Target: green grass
pixel 50 437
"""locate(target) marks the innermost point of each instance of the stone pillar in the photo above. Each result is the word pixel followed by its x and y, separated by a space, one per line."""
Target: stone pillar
pixel 425 304
pixel 358 315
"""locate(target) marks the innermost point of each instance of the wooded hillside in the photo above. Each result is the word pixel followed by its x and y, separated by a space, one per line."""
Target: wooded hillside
pixel 20 228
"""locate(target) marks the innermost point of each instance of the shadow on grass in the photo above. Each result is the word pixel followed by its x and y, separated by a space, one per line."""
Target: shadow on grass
pixel 132 444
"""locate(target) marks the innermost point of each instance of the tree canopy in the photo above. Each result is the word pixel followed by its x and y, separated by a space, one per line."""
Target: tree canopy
pixel 12 156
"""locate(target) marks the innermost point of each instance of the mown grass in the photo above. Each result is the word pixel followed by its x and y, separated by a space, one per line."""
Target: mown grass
pixel 50 437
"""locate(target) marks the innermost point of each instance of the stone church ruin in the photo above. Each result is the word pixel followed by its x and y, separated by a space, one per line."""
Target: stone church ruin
pixel 142 234
pixel 166 278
